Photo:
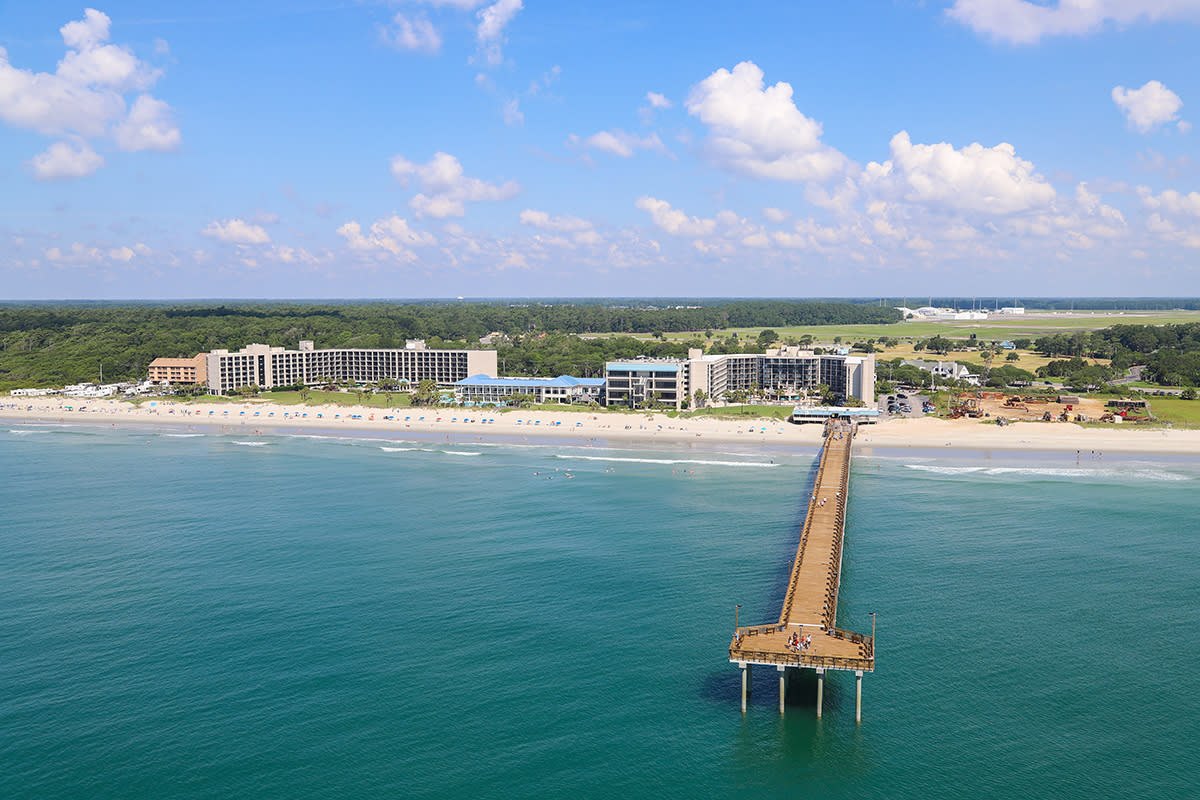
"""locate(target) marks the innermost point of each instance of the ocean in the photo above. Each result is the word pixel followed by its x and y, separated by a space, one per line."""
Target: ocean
pixel 198 614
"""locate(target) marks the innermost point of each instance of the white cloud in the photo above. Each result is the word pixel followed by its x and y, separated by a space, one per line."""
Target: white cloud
pixel 49 104
pixel 90 62
pixel 512 113
pixel 759 131
pixel 148 127
pixel 672 220
pixel 546 222
pixel 390 234
pixel 990 180
pixel 61 160
pixel 657 100
pixel 88 32
pixel 620 143
pixel 1023 22
pixel 490 33
pixel 236 231
pixel 77 254
pixel 81 255
pixel 448 188
pixel 295 255
pixel 776 215
pixel 1172 202
pixel 417 34
pixel 1148 107
pixel 84 97
pixel 540 85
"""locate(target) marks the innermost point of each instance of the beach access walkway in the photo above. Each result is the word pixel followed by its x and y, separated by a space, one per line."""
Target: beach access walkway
pixel 810 606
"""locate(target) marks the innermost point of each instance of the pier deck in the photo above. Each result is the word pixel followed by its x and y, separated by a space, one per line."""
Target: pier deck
pixel 810 605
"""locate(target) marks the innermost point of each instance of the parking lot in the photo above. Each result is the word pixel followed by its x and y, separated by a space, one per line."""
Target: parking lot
pixel 902 403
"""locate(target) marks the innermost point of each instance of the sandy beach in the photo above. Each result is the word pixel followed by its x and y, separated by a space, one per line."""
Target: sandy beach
pixel 265 417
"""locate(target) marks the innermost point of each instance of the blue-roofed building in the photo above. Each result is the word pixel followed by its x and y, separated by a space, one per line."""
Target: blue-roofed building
pixel 483 389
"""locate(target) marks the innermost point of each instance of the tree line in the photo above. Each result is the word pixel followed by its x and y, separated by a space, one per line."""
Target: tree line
pixel 54 344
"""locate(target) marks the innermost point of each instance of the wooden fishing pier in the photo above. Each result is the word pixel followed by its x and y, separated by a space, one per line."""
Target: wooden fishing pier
pixel 810 605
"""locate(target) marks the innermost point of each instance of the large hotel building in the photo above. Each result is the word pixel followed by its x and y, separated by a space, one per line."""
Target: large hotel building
pixel 267 367
pixel 787 371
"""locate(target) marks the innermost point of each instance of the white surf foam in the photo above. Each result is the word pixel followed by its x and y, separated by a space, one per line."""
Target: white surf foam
pixel 1069 473
pixel 705 462
pixel 428 450
pixel 253 444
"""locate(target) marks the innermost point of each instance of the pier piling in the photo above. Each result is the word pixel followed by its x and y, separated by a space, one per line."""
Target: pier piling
pixel 858 695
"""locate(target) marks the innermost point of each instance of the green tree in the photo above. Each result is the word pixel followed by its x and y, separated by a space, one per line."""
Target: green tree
pixel 766 338
pixel 699 397
pixel 426 393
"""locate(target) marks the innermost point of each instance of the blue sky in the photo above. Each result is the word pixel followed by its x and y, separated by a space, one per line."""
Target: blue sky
pixel 524 148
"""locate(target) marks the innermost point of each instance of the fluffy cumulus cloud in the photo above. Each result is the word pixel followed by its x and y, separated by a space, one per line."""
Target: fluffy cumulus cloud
pixel 567 230
pixel 657 100
pixel 490 32
pixel 547 222
pixel 149 126
pixel 618 142
pixel 990 180
pixel 415 33
pixel 62 161
pixel 85 98
pixel 445 189
pixel 758 131
pixel 236 231
pixel 85 255
pixel 1172 216
pixel 1025 22
pixel 1148 107
pixel 674 221
pixel 388 235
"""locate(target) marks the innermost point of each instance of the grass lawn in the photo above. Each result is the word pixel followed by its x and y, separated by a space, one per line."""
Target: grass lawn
pixel 998 329
pixel 742 412
pixel 317 398
pixel 1180 413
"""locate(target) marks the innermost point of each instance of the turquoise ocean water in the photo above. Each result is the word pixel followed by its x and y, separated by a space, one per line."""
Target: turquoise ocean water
pixel 208 615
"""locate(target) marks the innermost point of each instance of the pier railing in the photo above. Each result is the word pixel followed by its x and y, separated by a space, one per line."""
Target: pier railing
pixel 742 650
pixel 801 659
pixel 842 495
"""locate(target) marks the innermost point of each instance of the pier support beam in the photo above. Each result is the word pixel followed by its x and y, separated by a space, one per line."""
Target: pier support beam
pixel 782 686
pixel 820 689
pixel 745 685
pixel 858 695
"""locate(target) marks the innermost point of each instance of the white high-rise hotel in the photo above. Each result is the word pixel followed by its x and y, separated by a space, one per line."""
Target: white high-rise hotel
pixel 786 371
pixel 267 367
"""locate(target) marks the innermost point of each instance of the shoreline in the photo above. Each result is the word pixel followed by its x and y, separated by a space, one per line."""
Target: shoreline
pixel 925 434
